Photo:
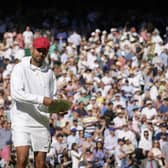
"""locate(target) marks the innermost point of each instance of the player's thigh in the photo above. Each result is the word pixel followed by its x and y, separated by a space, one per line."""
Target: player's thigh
pixel 40 156
pixel 22 153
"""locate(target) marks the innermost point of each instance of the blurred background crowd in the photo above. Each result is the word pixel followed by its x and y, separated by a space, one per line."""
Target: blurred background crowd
pixel 113 67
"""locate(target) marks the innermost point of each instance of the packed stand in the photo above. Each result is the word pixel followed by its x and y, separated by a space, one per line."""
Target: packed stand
pixel 117 80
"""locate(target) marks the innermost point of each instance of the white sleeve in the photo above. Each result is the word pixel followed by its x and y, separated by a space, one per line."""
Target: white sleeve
pixel 52 150
pixel 53 86
pixel 17 88
pixel 141 144
pixel 75 154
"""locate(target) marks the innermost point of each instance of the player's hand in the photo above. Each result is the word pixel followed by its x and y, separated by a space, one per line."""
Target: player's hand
pixel 47 101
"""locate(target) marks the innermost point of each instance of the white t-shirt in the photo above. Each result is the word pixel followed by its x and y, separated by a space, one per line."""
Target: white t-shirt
pixel 149 113
pixel 127 134
pixel 118 122
pixel 28 36
pixel 18 53
pixel 110 143
pixel 154 93
pixel 145 144
pixel 75 39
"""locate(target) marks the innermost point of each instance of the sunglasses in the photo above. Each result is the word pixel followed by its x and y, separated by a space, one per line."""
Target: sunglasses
pixel 146 134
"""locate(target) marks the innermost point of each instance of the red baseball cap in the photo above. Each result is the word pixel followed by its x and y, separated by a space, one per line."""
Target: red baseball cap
pixel 41 42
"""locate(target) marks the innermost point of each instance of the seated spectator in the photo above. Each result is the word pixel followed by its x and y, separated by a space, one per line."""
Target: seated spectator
pixel 81 110
pixel 5 142
pixel 58 147
pixel 150 161
pixel 88 142
pixel 120 155
pixel 145 142
pixel 110 142
pixel 149 111
pixel 72 138
pixel 99 155
pixel 164 106
pixel 163 131
pixel 157 153
pixel 75 155
pixel 164 150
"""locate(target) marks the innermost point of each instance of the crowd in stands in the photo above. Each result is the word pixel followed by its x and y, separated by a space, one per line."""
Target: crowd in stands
pixel 117 79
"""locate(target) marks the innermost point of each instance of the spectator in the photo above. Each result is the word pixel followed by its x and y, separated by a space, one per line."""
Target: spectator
pixel 163 131
pixel 58 147
pixel 150 161
pixel 157 153
pixel 145 142
pixel 28 37
pixel 120 155
pixel 75 155
pixel 165 152
pixel 72 138
pixel 149 111
pixel 110 142
pixel 5 143
pixel 99 155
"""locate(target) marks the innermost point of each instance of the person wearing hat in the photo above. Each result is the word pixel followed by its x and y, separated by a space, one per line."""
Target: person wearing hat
pixel 75 124
pixel 120 118
pixel 72 138
pixel 149 111
pixel 128 147
pixel 33 87
pixel 88 142
pixel 127 132
pixel 163 131
pixel 110 142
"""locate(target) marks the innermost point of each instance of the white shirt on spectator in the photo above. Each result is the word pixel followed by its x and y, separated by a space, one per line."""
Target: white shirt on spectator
pixel 64 58
pixel 145 144
pixel 118 122
pixel 72 139
pixel 75 38
pixel 127 134
pixel 18 53
pixel 56 148
pixel 75 156
pixel 110 143
pixel 149 112
pixel 154 93
pixel 28 37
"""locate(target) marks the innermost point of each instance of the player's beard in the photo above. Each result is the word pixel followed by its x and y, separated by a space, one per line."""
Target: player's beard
pixel 38 60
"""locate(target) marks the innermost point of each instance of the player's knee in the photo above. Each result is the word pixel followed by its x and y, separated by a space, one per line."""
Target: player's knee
pixel 21 160
pixel 40 164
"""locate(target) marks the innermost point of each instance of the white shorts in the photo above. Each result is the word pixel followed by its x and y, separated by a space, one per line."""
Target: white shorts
pixel 38 138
